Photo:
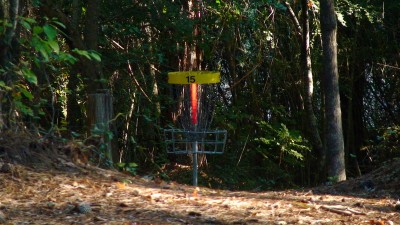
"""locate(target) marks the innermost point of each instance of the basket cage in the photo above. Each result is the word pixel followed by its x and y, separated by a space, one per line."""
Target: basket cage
pixel 180 141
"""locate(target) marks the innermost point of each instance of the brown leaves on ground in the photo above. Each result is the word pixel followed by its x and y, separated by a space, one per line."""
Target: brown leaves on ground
pixel 90 195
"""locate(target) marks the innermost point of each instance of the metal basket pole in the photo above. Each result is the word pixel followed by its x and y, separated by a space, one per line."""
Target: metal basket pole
pixel 195 166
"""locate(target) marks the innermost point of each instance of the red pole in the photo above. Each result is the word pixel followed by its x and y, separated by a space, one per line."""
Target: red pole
pixel 193 100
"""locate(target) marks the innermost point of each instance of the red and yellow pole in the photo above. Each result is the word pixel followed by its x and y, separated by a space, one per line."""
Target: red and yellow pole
pixel 193 100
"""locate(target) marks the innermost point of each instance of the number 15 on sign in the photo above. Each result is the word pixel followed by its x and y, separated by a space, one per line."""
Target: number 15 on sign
pixel 191 79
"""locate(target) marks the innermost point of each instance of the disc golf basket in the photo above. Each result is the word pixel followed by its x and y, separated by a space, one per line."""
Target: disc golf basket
pixel 196 104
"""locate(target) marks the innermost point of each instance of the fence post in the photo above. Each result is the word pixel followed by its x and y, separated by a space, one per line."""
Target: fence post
pixel 99 114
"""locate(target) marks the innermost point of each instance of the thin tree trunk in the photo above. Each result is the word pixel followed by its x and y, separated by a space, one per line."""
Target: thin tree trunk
pixel 313 131
pixel 303 33
pixel 334 131
pixel 91 37
pixel 9 11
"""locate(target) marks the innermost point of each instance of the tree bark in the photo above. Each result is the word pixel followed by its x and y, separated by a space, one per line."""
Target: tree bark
pixel 91 37
pixel 313 131
pixel 100 113
pixel 9 11
pixel 334 132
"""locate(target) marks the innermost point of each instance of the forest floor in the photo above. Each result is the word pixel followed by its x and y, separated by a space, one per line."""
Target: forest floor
pixel 57 191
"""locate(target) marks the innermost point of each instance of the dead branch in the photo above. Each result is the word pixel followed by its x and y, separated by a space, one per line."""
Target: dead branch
pixel 342 210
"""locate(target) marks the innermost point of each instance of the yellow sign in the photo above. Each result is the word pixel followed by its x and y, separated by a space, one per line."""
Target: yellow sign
pixel 194 77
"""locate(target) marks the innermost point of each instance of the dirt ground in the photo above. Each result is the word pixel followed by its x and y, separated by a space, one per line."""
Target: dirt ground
pixel 57 191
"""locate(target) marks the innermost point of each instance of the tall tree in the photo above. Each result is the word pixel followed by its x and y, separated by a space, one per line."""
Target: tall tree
pixel 333 131
pixel 303 32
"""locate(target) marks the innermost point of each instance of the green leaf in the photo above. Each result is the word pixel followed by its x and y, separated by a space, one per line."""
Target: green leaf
pixel 109 135
pixel 50 32
pixel 29 20
pixel 147 118
pixel 340 18
pixel 26 93
pixel 120 165
pixel 41 46
pixel 3 85
pixel 132 164
pixel 26 25
pixel 37 30
pixel 54 45
pixel 82 53
pixel 36 42
pixel 67 57
pixel 95 56
pixel 296 154
pixel 74 134
pixel 29 76
pixel 44 54
pixel 59 24
pixel 26 110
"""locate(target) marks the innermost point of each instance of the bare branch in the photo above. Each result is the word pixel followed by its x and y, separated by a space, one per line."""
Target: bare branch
pixel 294 19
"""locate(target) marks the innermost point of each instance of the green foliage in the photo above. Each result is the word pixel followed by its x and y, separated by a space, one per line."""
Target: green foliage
pixel 40 50
pixel 279 153
pixel 103 136
pixel 260 155
pixel 332 180
pixel 43 40
pixel 385 145
pixel 392 135
pixel 252 172
pixel 358 9
pixel 42 55
pixel 91 55
pixel 130 167
pixel 281 145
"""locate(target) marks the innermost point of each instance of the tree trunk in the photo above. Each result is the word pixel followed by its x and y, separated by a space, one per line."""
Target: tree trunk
pixel 9 11
pixel 334 131
pixel 303 33
pixel 91 36
pixel 313 131
pixel 100 113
